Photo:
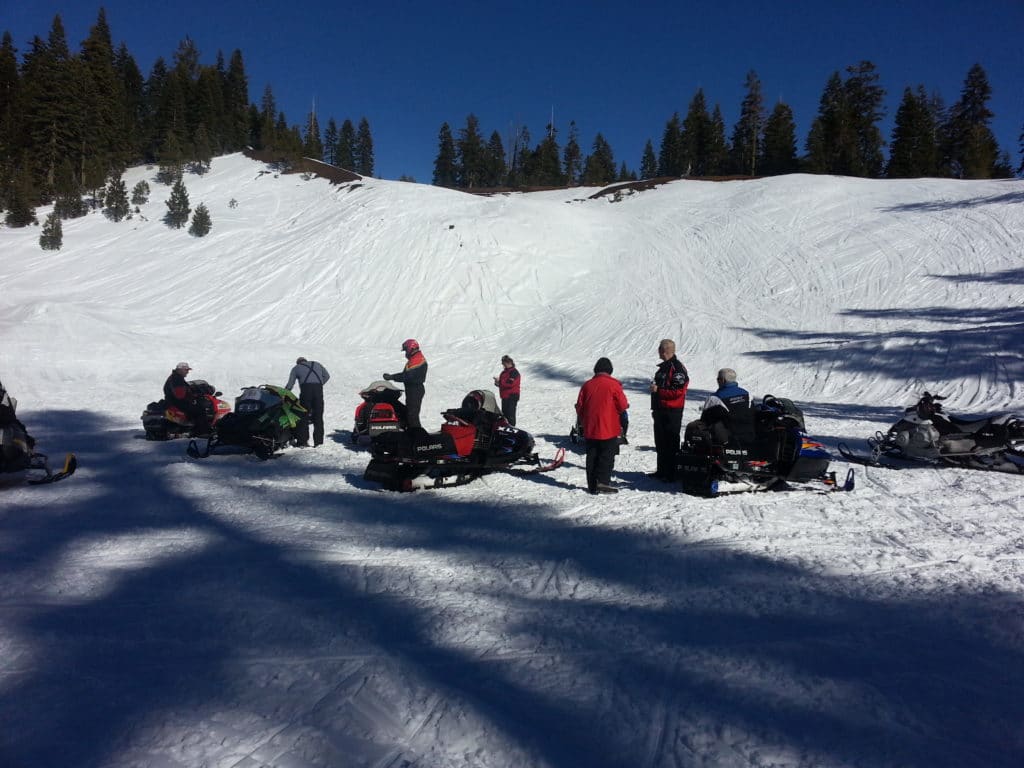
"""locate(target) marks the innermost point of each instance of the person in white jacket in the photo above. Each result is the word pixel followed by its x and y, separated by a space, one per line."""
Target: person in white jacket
pixel 311 377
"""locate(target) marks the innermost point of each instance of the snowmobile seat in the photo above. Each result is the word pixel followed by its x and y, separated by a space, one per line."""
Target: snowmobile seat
pixel 463 436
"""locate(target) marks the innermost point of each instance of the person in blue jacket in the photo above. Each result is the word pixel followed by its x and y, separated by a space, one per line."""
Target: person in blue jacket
pixel 726 412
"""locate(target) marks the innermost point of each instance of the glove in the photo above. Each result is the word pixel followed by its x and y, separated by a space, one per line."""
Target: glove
pixel 387 377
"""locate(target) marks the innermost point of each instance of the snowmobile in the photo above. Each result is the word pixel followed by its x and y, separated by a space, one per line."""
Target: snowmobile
pixel 475 439
pixel 263 422
pixel 927 435
pixel 576 431
pixel 381 411
pixel 19 461
pixel 166 422
pixel 765 448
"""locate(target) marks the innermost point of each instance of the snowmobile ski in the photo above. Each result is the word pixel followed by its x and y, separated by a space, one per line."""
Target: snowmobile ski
pixel 70 465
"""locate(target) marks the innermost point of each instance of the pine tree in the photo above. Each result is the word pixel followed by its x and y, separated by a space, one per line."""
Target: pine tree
pixel 9 116
pixel 133 114
pixel 519 154
pixel 670 156
pixel 210 117
pixel 495 161
pixel 697 140
pixel 364 149
pixel 201 223
pixel 973 151
pixel 236 104
pixel 178 209
pixel 779 142
pixel 140 193
pixel 748 133
pixel 914 152
pixel 845 138
pixel 268 113
pixel 445 164
pixel 717 148
pixel 312 146
pixel 346 152
pixel 572 157
pixel 331 142
pixel 104 118
pixel 202 154
pixel 548 170
pixel 116 199
pixel 648 162
pixel 172 159
pixel 470 154
pixel 864 99
pixel 67 201
pixel 831 143
pixel 599 168
pixel 21 210
pixel 1020 168
pixel 51 108
pixel 52 236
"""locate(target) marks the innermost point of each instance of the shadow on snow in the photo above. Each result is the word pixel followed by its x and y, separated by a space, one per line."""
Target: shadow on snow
pixel 267 645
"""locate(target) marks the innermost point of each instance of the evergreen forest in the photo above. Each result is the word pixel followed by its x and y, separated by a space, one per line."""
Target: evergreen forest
pixel 71 122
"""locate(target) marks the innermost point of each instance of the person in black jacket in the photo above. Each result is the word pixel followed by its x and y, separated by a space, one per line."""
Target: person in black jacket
pixel 668 396
pixel 177 392
pixel 414 375
pixel 311 377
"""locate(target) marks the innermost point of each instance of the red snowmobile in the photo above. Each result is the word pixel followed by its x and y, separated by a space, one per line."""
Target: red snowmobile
pixel 380 412
pixel 166 422
pixel 474 440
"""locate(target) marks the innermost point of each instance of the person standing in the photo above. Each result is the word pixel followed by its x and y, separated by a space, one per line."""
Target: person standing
pixel 177 392
pixel 508 383
pixel 600 405
pixel 311 377
pixel 414 376
pixel 668 396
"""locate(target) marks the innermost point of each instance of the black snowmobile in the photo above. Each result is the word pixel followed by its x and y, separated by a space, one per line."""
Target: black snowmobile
pixel 474 441
pixel 263 422
pixel 764 448
pixel 19 461
pixel 576 431
pixel 927 435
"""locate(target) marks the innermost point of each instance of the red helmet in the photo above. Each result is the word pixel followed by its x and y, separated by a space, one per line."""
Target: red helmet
pixel 410 346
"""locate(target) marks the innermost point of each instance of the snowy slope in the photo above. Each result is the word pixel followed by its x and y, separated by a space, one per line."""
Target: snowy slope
pixel 163 612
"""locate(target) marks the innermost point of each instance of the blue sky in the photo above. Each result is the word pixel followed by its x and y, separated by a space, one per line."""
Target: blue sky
pixel 614 67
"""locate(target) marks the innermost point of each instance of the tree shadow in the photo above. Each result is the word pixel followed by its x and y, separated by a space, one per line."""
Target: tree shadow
pixel 272 636
pixel 988 337
pixel 947 205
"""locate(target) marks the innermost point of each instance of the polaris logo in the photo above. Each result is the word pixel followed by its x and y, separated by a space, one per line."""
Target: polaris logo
pixel 431 447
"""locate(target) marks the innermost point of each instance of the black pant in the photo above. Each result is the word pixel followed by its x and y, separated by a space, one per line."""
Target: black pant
pixel 508 408
pixel 667 425
pixel 311 398
pixel 195 411
pixel 413 400
pixel 600 462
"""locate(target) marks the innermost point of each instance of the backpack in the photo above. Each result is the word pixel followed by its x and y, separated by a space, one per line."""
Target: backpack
pixel 783 407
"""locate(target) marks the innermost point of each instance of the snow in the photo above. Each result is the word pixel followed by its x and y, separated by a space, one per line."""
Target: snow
pixel 161 611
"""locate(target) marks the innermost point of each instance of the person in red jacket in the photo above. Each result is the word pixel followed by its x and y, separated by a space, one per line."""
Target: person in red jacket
pixel 668 396
pixel 508 383
pixel 600 406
